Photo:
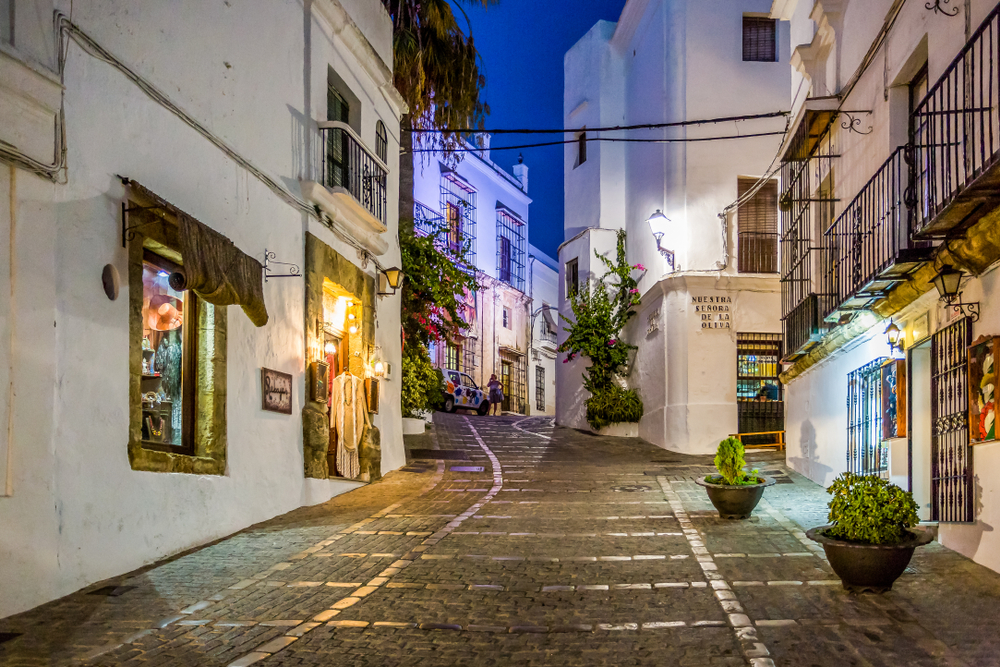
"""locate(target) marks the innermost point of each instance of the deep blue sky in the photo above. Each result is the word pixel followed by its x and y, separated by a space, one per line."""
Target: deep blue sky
pixel 522 43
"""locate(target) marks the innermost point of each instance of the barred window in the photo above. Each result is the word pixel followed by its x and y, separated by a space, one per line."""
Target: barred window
pixel 458 202
pixel 381 141
pixel 452 354
pixel 510 249
pixel 759 40
pixel 540 388
pixel 506 317
pixel 757 221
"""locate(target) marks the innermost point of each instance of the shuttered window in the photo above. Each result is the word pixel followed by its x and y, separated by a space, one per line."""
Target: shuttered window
pixel 757 220
pixel 759 40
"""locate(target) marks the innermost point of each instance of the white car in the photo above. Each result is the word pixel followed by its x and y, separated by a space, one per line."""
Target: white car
pixel 461 392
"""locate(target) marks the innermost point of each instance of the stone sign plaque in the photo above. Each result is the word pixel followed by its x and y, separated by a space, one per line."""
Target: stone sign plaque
pixel 713 312
pixel 276 391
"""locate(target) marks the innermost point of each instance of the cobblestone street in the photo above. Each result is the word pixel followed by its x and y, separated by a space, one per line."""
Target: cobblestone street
pixel 524 544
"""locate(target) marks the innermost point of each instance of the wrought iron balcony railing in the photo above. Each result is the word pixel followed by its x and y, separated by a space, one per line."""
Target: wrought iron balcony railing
pixel 802 328
pixel 869 244
pixel 348 164
pixel 426 221
pixel 956 138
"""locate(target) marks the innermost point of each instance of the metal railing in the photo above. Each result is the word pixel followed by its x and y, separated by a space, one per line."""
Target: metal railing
pixel 870 244
pixel 350 165
pixel 757 252
pixel 426 221
pixel 801 325
pixel 956 137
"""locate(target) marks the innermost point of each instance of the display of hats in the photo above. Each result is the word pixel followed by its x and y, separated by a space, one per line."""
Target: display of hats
pixel 166 313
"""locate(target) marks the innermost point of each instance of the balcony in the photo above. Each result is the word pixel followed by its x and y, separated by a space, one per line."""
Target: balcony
pixel 802 328
pixel 869 244
pixel 353 187
pixel 426 221
pixel 956 138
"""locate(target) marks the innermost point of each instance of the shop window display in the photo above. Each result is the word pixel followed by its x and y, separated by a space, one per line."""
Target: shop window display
pixel 167 357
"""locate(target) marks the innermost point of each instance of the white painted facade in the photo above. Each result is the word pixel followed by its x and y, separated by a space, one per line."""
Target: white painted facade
pixel 72 511
pixel 494 191
pixel 654 66
pixel 829 47
pixel 543 290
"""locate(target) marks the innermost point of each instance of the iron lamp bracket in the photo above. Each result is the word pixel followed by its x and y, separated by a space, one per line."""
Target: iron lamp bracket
pixel 293 269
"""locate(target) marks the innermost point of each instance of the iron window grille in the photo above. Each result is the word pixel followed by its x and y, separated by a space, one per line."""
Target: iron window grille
pixel 759 392
pixel 549 329
pixel 381 141
pixel 458 204
pixel 759 43
pixel 347 163
pixel 952 481
pixel 510 249
pixel 506 317
pixel 469 363
pixel 426 221
pixel 540 388
pixel 866 454
pixel 757 220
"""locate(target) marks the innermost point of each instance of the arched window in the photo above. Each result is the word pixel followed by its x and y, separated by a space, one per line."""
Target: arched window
pixel 381 141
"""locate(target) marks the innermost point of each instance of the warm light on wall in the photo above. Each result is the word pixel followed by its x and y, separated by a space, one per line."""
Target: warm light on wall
pixel 330 348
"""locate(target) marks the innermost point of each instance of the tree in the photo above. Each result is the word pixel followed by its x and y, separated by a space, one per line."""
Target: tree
pixel 436 71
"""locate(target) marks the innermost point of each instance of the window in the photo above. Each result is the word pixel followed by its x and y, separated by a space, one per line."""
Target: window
pixel 458 202
pixel 381 141
pixel 757 220
pixel 469 357
pixel 540 388
pixel 759 40
pixel 865 453
pixel 7 21
pixel 337 147
pixel 759 394
pixel 581 148
pixel 572 277
pixel 510 249
pixel 506 317
pixel 452 354
pixel 918 90
pixel 169 355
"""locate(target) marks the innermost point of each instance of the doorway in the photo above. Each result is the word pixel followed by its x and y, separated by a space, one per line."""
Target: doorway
pixel 919 420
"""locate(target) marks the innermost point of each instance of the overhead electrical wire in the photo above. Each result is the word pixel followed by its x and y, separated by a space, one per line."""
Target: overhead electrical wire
pixel 615 128
pixel 609 139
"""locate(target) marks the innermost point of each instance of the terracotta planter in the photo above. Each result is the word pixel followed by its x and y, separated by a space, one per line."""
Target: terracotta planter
pixel 735 502
pixel 868 567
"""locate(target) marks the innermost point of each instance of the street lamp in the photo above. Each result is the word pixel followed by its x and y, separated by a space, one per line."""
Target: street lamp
pixel 659 224
pixel 892 334
pixel 393 279
pixel 948 282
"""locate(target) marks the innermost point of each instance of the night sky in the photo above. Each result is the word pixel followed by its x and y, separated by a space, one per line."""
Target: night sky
pixel 522 44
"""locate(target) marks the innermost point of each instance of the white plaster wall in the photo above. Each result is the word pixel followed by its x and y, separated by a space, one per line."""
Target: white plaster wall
pixel 78 513
pixel 544 291
pixel 816 417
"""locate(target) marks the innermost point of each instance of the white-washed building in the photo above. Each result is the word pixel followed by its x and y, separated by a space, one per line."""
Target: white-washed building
pixel 710 299
pixel 889 180
pixel 543 289
pixel 484 211
pixel 155 165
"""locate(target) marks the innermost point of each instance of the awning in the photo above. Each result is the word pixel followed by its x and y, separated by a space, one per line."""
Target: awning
pixel 219 272
pixel 550 323
pixel 213 267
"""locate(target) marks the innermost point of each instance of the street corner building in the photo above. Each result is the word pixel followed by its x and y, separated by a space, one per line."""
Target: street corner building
pixel 479 212
pixel 197 330
pixel 889 244
pixel 699 204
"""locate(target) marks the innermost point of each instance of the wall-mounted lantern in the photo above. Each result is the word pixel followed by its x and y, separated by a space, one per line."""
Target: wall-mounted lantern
pixel 389 279
pixel 659 225
pixel 948 282
pixel 893 336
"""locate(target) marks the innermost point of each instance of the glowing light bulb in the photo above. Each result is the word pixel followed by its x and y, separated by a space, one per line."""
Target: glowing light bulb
pixel 353 329
pixel 330 348
pixel 350 316
pixel 379 368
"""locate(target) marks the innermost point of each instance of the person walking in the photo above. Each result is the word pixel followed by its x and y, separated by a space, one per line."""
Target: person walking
pixel 496 394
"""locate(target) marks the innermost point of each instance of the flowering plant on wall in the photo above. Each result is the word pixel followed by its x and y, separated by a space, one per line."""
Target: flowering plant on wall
pixel 601 309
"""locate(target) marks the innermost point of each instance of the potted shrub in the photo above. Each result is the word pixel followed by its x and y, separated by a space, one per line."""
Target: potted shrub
pixel 868 540
pixel 734 492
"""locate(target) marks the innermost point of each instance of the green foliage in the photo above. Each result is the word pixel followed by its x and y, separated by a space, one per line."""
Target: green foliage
pixel 420 388
pixel 436 288
pixel 600 310
pixel 613 406
pixel 436 67
pixel 868 509
pixel 730 461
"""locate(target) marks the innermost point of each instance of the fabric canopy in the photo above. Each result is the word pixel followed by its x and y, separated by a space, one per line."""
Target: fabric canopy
pixel 219 272
pixel 550 323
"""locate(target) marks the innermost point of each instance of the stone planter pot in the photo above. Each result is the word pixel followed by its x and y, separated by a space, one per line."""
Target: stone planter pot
pixel 413 426
pixel 868 567
pixel 735 502
pixel 620 430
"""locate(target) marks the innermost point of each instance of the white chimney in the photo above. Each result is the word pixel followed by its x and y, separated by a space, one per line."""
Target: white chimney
pixel 521 172
pixel 483 142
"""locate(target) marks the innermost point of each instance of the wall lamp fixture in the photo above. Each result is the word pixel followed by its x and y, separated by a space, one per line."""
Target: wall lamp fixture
pixel 389 279
pixel 659 224
pixel 948 282
pixel 893 336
